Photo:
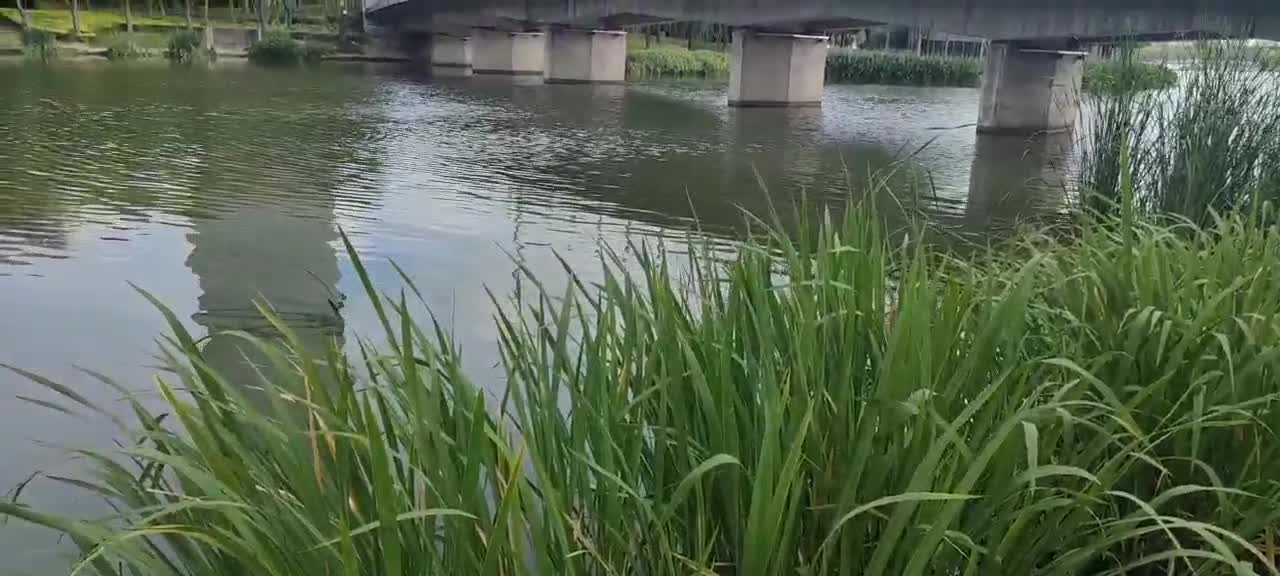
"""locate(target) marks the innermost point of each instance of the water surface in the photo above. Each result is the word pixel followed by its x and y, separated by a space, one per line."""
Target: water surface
pixel 210 188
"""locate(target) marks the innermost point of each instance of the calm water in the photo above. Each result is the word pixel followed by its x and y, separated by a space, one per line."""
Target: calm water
pixel 211 187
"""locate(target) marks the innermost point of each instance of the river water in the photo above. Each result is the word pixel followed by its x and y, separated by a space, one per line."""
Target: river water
pixel 210 187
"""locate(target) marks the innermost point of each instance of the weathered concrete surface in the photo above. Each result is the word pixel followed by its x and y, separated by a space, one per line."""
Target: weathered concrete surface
pixel 1028 88
pixel 448 51
pixel 586 56
pixel 777 69
pixel 992 19
pixel 512 53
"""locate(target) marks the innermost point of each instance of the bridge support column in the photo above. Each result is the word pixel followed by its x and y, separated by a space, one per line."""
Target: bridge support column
pixel 510 53
pixel 777 69
pixel 1029 88
pixel 586 56
pixel 450 55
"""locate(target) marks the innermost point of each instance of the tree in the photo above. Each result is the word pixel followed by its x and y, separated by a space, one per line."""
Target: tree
pixel 208 29
pixel 75 18
pixel 128 17
pixel 263 6
pixel 190 26
pixel 26 17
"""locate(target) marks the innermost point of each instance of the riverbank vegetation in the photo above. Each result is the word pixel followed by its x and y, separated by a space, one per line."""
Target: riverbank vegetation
pixel 1127 74
pixel 1208 147
pixel 670 61
pixel 900 68
pixel 824 403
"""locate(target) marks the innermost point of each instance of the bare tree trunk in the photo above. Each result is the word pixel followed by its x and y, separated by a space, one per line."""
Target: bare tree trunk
pixel 128 17
pixel 208 29
pixel 26 17
pixel 261 5
pixel 190 26
pixel 75 18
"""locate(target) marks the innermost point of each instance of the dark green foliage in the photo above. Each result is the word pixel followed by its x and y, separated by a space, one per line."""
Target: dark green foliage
pixel 184 46
pixel 123 48
pixel 901 68
pixel 676 62
pixel 315 52
pixel 278 48
pixel 1126 75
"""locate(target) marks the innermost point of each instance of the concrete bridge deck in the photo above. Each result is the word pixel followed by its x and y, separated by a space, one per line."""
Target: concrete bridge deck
pixel 991 19
pixel 1031 83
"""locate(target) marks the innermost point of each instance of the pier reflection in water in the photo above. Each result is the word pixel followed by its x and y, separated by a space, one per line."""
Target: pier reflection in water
pixel 215 188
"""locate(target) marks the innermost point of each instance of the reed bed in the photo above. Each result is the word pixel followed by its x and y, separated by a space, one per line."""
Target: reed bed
pixel 822 403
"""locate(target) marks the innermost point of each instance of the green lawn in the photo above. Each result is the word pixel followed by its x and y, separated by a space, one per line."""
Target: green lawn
pixel 94 22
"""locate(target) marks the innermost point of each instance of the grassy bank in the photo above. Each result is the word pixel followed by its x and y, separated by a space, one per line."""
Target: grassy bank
pixel 676 62
pixel 900 68
pixel 836 405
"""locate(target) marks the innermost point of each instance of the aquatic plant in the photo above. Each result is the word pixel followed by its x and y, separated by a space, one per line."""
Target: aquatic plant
pixel 184 46
pixel 823 403
pixel 1127 74
pixel 676 62
pixel 1209 146
pixel 123 48
pixel 278 48
pixel 852 66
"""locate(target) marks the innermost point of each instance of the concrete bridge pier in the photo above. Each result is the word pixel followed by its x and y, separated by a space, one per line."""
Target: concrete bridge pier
pixel 509 53
pixel 451 55
pixel 1031 87
pixel 777 70
pixel 577 56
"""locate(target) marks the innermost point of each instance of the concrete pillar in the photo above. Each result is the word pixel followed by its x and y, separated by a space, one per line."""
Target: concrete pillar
pixel 509 53
pixel 1028 89
pixel 450 55
pixel 586 56
pixel 777 69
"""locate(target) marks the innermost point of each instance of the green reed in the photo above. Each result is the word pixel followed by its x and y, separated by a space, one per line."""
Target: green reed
pixel 676 62
pixel 1209 146
pixel 901 68
pixel 1127 74
pixel 823 403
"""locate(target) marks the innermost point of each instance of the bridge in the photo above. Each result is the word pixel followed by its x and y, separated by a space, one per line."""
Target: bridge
pixel 1031 81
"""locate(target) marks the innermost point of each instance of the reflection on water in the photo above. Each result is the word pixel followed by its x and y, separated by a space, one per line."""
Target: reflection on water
pixel 216 188
pixel 1017 177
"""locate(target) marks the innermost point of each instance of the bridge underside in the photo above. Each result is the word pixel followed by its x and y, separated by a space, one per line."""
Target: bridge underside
pixel 991 19
pixel 1031 82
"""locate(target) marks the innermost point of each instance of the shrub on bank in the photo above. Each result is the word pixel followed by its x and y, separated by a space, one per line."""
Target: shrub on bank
pixel 676 62
pixel 1122 75
pixel 278 48
pixel 184 46
pixel 900 68
pixel 124 48
pixel 828 403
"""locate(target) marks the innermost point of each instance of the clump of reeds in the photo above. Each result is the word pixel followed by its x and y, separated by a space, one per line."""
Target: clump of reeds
pixel 1209 146
pixel 676 62
pixel 1127 74
pixel 901 68
pixel 822 403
